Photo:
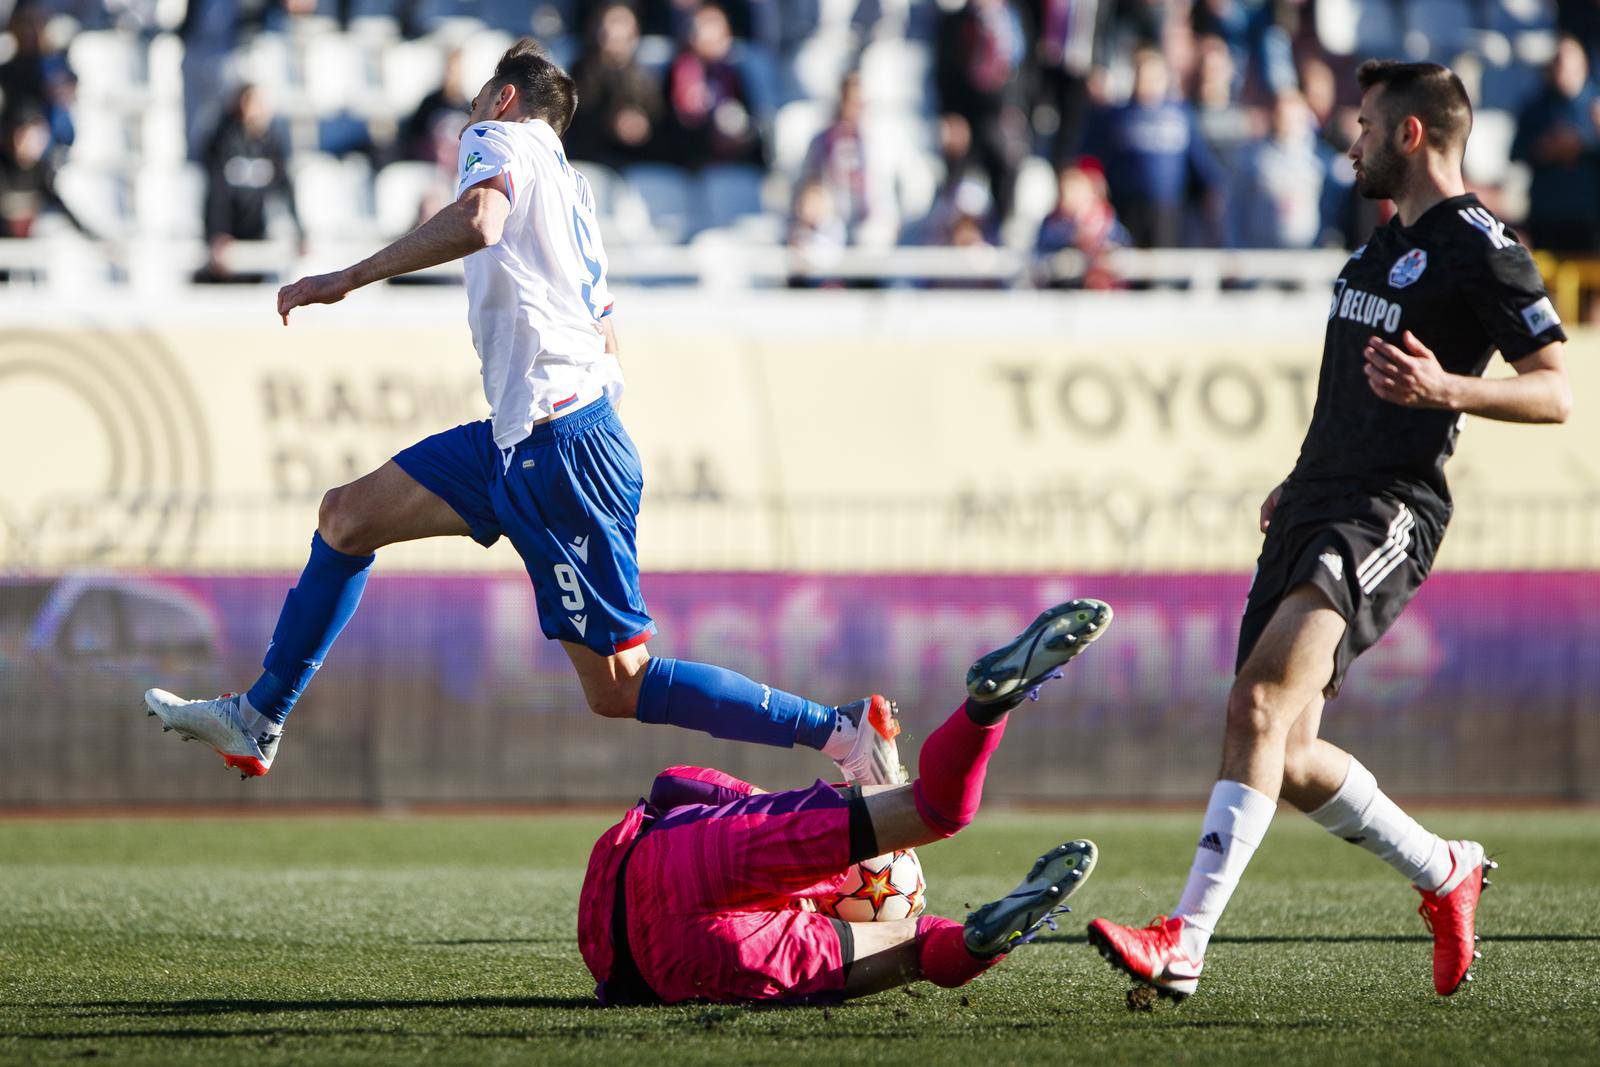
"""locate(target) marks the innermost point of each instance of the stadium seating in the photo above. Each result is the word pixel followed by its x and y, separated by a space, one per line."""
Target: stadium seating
pixel 397 192
pixel 896 74
pixel 168 201
pixel 343 90
pixel 1489 149
pixel 332 195
pixel 99 198
pixel 669 195
pixel 728 194
pixel 410 70
pixel 796 125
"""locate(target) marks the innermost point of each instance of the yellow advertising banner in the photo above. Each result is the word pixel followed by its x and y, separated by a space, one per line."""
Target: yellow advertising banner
pixel 896 432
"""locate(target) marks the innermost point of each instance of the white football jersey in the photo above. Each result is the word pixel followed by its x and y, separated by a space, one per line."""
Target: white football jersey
pixel 535 299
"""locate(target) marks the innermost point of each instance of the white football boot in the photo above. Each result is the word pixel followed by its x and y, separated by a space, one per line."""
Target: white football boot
pixel 219 723
pixel 873 757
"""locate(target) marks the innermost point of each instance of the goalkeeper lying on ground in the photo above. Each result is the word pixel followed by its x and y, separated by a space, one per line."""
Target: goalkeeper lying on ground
pixel 704 891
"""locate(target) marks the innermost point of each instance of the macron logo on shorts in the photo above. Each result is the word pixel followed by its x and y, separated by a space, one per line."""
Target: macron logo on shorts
pixel 580 545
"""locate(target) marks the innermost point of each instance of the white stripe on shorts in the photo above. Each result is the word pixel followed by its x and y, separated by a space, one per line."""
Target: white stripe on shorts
pixel 1389 555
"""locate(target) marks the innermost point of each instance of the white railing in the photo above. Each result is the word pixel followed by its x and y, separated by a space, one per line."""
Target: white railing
pixel 712 261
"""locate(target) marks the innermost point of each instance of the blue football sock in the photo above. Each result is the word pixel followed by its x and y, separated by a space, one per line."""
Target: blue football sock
pixel 725 704
pixel 314 614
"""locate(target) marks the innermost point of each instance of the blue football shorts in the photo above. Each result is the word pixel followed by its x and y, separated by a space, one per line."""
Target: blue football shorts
pixel 568 499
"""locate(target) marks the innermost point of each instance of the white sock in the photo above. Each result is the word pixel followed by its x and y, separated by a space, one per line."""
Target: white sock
pixel 1236 820
pixel 255 722
pixel 1361 814
pixel 843 738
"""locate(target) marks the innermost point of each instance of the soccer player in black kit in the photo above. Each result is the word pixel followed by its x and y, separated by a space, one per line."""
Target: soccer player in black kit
pixel 1352 531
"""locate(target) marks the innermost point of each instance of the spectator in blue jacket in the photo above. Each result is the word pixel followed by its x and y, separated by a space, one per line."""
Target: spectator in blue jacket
pixel 1155 160
pixel 37 79
pixel 1558 135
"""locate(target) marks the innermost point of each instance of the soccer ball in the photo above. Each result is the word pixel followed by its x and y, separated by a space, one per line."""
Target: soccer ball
pixel 881 889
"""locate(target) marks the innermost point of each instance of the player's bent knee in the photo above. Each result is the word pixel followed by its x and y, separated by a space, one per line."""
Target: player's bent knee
pixel 340 524
pixel 613 703
pixel 1251 712
pixel 942 821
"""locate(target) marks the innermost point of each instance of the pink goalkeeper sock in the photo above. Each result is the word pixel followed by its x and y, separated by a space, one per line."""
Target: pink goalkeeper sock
pixel 943 956
pixel 954 759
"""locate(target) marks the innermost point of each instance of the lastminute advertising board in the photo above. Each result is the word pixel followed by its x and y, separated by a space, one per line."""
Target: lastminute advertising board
pixel 895 432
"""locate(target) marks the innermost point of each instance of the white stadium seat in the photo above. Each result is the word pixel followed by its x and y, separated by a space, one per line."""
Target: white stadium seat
pixel 795 127
pixel 917 176
pixel 729 193
pixel 1367 27
pixel 164 63
pixel 479 53
pixel 1489 147
pixel 411 70
pixel 334 68
pixel 161 138
pixel 627 216
pixel 399 191
pixel 1035 197
pixel 820 64
pixel 332 195
pixel 101 136
pixel 97 197
pixel 169 201
pixel 894 73
pixel 110 68
pixel 668 197
pixel 897 134
pixel 265 62
pixel 603 183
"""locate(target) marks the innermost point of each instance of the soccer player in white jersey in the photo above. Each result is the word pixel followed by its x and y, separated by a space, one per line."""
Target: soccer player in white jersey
pixel 552 469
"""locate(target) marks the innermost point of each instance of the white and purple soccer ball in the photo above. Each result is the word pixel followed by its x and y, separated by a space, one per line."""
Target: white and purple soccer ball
pixel 880 889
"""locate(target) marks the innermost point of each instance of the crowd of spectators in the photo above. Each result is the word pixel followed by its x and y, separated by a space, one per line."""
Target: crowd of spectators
pixel 1155 123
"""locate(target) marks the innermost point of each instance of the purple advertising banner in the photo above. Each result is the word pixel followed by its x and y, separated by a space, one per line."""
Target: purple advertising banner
pixel 444 690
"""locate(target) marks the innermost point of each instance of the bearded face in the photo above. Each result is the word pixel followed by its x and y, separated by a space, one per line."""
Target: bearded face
pixel 1380 168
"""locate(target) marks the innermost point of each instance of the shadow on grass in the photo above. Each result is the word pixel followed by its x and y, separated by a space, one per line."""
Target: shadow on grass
pixel 170 1009
pixel 192 1033
pixel 1339 939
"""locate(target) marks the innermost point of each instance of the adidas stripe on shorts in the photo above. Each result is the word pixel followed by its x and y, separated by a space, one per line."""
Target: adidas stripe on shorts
pixel 1368 553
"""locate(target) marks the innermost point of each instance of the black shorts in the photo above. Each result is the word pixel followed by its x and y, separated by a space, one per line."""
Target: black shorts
pixel 1367 553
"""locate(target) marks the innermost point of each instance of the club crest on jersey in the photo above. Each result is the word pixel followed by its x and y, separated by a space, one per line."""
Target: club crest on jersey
pixel 1408 268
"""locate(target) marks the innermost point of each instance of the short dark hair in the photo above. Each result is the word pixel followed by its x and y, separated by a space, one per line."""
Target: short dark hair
pixel 1430 92
pixel 546 90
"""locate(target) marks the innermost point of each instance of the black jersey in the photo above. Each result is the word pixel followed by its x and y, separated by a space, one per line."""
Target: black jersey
pixel 1462 283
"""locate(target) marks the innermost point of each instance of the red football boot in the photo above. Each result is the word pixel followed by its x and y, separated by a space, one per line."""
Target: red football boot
pixel 1450 912
pixel 1153 955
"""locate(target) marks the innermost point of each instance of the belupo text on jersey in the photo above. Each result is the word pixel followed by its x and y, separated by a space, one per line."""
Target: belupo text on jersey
pixel 1368 309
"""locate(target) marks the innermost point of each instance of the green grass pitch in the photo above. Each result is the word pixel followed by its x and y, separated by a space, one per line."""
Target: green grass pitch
pixel 427 940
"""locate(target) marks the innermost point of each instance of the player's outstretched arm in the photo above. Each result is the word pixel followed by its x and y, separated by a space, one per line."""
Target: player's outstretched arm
pixel 470 224
pixel 1412 377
